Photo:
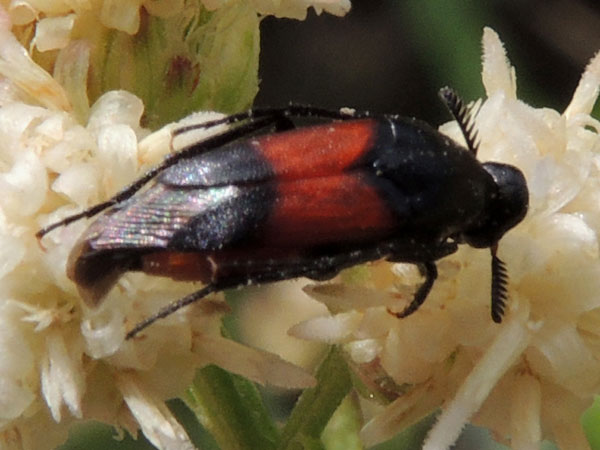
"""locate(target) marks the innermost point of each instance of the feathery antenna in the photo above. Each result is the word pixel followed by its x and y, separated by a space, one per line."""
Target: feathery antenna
pixel 464 115
pixel 499 283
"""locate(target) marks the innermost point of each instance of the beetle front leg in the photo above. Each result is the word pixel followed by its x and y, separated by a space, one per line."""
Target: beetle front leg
pixel 429 270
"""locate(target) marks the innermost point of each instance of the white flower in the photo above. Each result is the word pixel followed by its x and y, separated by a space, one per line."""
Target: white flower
pixel 63 362
pixel 177 56
pixel 531 377
pixel 56 20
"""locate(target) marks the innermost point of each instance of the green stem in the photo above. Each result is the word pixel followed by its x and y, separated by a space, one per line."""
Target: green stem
pixel 316 405
pixel 231 409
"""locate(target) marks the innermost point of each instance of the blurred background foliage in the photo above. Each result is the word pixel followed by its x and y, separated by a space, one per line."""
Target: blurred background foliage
pixel 392 56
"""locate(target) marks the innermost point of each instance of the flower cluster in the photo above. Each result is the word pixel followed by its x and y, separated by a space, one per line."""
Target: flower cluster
pixel 62 148
pixel 54 21
pixel 177 56
pixel 68 141
pixel 531 377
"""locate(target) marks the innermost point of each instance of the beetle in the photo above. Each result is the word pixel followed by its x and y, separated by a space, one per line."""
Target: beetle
pixel 268 200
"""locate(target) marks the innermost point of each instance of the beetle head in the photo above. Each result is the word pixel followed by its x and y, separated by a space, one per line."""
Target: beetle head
pixel 505 209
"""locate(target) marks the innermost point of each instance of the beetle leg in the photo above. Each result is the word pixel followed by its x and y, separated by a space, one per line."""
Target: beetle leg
pixel 171 308
pixel 444 249
pixel 298 111
pixel 264 277
pixel 429 270
pixel 284 123
pixel 246 123
pixel 430 251
pixel 309 267
pixel 194 149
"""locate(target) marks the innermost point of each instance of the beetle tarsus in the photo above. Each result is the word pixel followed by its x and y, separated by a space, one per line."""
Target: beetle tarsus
pixel 429 270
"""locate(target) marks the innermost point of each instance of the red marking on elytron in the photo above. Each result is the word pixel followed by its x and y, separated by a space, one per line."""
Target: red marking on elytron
pixel 179 265
pixel 208 266
pixel 333 209
pixel 320 150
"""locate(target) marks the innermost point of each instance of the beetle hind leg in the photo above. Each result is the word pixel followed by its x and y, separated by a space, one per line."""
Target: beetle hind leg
pixel 170 308
pixel 429 270
pixel 321 267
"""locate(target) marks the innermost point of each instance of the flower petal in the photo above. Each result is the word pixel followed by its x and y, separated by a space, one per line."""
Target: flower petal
pixel 329 329
pixel 19 385
pixel 497 72
pixel 62 376
pixel 507 346
pixel 52 33
pixel 259 366
pixel 24 186
pixel 153 415
pixel 123 15
pixel 17 66
pixel 587 90
pixel 525 413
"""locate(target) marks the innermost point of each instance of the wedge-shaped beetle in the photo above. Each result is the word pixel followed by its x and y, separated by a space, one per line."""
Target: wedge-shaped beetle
pixel 266 201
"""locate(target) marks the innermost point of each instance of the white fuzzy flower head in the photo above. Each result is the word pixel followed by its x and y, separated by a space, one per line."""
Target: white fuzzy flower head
pixel 531 377
pixel 61 361
pixel 59 17
pixel 177 56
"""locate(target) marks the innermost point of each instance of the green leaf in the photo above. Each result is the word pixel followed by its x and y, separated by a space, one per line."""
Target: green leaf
pixel 448 37
pixel 590 421
pixel 231 409
pixel 342 431
pixel 98 436
pixel 316 405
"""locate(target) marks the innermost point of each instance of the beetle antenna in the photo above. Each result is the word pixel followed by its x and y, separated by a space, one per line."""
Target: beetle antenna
pixel 188 152
pixel 499 285
pixel 256 120
pixel 277 114
pixel 464 115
